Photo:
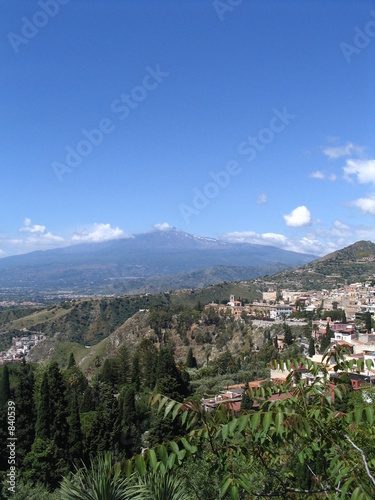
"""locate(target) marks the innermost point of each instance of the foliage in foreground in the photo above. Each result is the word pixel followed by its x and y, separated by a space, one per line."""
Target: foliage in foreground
pixel 299 446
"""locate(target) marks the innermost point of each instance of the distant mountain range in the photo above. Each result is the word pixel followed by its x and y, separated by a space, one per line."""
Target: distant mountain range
pixel 154 261
pixel 352 264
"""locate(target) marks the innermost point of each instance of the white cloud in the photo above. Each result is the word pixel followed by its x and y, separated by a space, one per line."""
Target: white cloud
pixel 363 170
pixel 307 244
pixel 32 228
pixel 366 205
pixel 262 199
pixel 256 238
pixel 298 217
pixel 37 237
pixel 317 175
pixel 100 232
pixel 339 151
pixel 162 227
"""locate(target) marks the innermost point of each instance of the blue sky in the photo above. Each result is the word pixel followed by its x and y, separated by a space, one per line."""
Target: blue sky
pixel 245 120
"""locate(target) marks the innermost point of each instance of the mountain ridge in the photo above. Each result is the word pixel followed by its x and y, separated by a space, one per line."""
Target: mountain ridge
pixel 355 262
pixel 93 268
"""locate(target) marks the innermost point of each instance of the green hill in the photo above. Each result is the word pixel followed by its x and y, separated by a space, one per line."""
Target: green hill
pixel 351 264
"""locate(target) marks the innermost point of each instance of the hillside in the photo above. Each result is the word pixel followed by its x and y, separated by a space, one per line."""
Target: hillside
pixel 88 321
pixel 349 265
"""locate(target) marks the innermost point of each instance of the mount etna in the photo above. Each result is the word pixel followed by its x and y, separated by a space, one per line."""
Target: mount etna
pixel 146 262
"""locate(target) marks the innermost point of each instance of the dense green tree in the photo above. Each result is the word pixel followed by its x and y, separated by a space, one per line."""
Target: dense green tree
pixel 168 376
pixel 288 337
pixel 267 353
pixel 43 465
pixel 106 428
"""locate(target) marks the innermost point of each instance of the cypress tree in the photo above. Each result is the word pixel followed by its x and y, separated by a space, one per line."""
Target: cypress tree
pixel 368 322
pixel 75 433
pixel 42 427
pixel 148 356
pixel 123 359
pixel 72 361
pixel 311 351
pixel 87 401
pixel 276 342
pixel 105 432
pixel 58 408
pixel 191 362
pixel 136 372
pixel 288 337
pixel 130 434
pixel 246 401
pixel 26 414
